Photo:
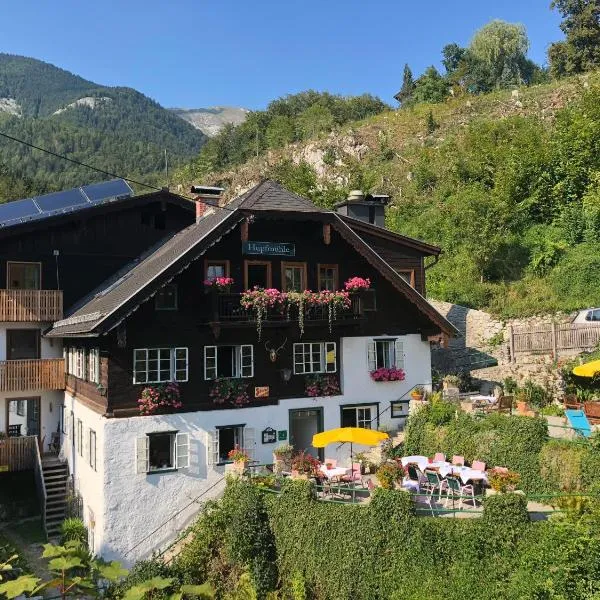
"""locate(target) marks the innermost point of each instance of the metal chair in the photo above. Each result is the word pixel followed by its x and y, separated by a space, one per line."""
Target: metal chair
pixel 435 483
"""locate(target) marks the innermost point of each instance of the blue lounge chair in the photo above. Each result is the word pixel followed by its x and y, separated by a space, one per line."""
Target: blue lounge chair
pixel 579 422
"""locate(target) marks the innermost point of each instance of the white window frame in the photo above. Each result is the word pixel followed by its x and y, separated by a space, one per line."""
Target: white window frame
pixel 364 422
pixel 93 365
pixel 244 361
pixel 178 364
pixel 79 437
pixel 246 439
pixel 180 444
pixel 396 354
pixel 306 349
pixel 92 449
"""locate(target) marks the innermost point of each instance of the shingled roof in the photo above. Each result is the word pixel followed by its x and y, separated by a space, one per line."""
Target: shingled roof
pixel 118 296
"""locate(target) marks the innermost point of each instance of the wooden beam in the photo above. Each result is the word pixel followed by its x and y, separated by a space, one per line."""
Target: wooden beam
pixel 327 233
pixel 244 230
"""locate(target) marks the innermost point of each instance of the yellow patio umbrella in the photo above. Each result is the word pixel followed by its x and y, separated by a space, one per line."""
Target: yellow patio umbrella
pixel 588 370
pixel 354 435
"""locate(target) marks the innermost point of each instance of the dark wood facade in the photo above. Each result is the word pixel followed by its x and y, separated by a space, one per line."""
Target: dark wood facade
pixel 194 324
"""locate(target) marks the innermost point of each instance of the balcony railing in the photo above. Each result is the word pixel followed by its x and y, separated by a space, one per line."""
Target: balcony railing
pixel 228 309
pixel 32 375
pixel 31 305
pixel 18 453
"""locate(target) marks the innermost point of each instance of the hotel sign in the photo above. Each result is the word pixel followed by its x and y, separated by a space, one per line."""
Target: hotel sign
pixel 269 248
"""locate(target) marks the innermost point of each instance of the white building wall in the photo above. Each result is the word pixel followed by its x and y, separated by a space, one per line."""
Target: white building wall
pixel 135 505
pixel 89 483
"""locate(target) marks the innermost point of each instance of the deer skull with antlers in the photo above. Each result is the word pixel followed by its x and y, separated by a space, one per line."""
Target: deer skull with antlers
pixel 274 352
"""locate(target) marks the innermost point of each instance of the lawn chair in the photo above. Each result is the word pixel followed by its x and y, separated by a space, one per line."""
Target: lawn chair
pixel 478 465
pixel 414 478
pixel 505 404
pixel 579 422
pixel 592 412
pixel 458 461
pixel 435 483
pixel 439 457
pixel 354 475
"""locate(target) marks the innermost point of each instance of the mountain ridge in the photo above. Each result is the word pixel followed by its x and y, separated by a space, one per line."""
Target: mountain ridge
pixel 212 119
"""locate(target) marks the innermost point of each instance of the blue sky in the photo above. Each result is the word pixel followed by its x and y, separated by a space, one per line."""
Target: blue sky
pixel 195 53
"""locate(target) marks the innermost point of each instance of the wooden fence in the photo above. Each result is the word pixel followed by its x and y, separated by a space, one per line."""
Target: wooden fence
pixel 552 338
pixel 34 374
pixel 31 305
pixel 18 453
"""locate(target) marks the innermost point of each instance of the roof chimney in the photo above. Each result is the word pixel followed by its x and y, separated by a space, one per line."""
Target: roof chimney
pixel 369 208
pixel 205 196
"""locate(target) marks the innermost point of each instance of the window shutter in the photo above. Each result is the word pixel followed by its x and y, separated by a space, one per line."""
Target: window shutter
pixel 180 366
pixel 330 357
pixel 212 447
pixel 210 362
pixel 182 450
pixel 142 454
pixel 247 360
pixel 399 353
pixel 249 441
pixel 371 355
pixel 86 444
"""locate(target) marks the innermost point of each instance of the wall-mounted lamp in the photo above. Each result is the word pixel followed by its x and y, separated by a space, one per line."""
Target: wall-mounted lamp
pixel 286 374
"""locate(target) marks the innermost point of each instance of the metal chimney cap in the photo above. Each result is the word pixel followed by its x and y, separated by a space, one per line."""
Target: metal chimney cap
pixel 356 195
pixel 206 190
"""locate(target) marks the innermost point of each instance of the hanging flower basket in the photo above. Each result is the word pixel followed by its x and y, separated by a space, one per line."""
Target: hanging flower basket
pixel 357 284
pixel 219 284
pixel 160 398
pixel 229 391
pixel 260 301
pixel 322 385
pixel 391 374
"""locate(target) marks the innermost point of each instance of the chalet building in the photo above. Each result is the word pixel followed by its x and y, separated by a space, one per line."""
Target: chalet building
pixel 171 363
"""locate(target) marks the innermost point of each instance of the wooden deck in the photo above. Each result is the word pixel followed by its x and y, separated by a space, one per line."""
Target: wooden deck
pixel 31 305
pixel 18 453
pixel 32 375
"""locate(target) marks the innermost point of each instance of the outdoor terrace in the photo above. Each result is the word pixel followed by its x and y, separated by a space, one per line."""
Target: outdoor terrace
pixel 20 306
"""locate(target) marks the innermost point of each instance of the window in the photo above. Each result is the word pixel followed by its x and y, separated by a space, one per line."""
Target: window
pixel 593 315
pixel 228 361
pixel 83 363
pixel 314 357
pixel 155 365
pixel 92 449
pixel 79 438
pixel 23 276
pixel 293 277
pixel 398 409
pixel 215 268
pixel 408 276
pixel 21 408
pixel 385 353
pixel 360 416
pixel 166 298
pixel 257 273
pixel 164 451
pixel 224 439
pixel 93 365
pixel 22 344
pixel 328 277
pixel 63 419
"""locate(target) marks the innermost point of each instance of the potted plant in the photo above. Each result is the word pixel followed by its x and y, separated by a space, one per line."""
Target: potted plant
pixel 502 480
pixel 521 400
pixel 304 465
pixel 418 393
pixel 357 284
pixel 385 374
pixel 451 382
pixel 388 474
pixel 282 458
pixel 219 284
pixel 240 460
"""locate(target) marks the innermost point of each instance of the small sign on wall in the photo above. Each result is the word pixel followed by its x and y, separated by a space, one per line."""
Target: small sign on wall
pixel 269 436
pixel 261 392
pixel 282 435
pixel 269 248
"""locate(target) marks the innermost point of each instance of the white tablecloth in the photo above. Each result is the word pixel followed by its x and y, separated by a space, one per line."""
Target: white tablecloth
pixel 335 472
pixel 420 461
pixel 481 399
pixel 464 473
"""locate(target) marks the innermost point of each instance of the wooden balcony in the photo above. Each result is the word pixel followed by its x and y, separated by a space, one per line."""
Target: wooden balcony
pixel 32 375
pixel 227 309
pixel 31 305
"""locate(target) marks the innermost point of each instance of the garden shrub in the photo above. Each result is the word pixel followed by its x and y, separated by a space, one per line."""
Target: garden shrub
pixel 73 529
pixel 560 465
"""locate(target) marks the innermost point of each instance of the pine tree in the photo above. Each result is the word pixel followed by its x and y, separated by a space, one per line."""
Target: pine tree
pixel 404 96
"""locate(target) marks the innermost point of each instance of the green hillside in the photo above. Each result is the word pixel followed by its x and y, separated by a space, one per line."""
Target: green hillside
pixel 116 129
pixel 507 183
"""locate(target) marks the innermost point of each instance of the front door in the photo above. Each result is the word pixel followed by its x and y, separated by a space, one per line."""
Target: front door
pixel 257 274
pixel 22 344
pixel 304 423
pixel 23 417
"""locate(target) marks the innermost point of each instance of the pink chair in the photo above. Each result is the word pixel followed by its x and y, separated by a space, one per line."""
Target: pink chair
pixel 370 485
pixel 478 465
pixel 330 461
pixel 439 457
pixel 458 461
pixel 355 475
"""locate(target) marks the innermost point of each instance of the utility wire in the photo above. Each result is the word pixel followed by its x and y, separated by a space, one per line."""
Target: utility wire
pixel 109 173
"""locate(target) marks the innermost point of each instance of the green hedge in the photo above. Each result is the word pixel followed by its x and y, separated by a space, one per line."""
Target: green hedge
pixel 333 551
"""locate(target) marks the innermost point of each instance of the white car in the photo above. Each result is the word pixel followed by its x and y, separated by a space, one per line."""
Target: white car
pixel 589 315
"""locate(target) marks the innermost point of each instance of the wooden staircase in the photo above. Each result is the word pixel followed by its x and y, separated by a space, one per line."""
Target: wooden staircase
pixel 56 473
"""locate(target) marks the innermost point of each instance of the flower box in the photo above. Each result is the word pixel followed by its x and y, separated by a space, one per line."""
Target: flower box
pixel 391 374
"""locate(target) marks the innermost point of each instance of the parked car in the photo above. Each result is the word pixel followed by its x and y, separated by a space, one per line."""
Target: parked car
pixel 589 315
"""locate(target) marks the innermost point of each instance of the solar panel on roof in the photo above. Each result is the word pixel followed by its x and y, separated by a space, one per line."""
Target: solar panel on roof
pixel 104 190
pixel 19 209
pixel 60 200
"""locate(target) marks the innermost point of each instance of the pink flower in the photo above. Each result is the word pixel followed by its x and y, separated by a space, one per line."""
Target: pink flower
pixel 355 284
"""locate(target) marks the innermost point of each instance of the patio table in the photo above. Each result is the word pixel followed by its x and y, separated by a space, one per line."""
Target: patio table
pixel 420 461
pixel 439 465
pixel 480 399
pixel 464 473
pixel 335 472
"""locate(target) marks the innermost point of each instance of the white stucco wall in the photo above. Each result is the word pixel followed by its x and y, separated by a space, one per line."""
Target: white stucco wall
pixel 135 505
pixel 89 483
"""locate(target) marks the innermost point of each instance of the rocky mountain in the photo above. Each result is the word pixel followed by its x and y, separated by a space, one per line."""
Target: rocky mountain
pixel 117 129
pixel 211 120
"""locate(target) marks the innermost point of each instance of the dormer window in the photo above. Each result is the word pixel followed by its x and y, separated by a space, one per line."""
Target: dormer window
pixel 166 298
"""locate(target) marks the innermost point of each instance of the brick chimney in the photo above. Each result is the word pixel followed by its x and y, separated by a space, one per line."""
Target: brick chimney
pixel 205 197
